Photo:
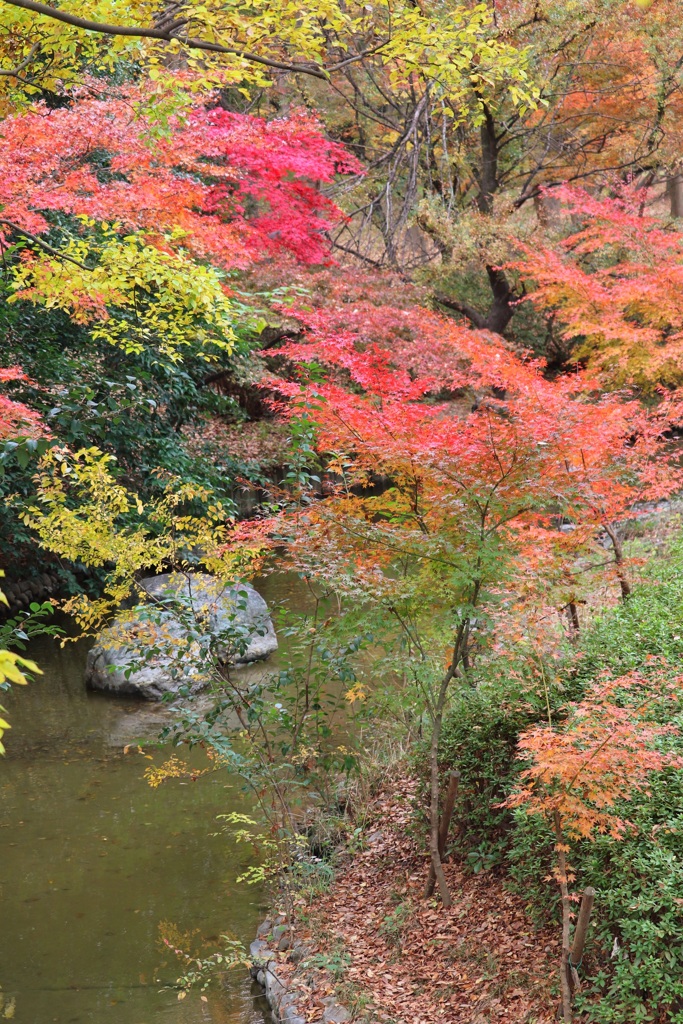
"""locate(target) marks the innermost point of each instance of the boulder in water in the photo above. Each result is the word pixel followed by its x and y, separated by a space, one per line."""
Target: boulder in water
pixel 160 647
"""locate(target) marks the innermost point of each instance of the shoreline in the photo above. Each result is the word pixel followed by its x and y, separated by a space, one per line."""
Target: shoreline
pixel 373 949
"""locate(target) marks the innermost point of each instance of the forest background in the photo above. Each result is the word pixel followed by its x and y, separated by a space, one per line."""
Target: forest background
pixel 388 296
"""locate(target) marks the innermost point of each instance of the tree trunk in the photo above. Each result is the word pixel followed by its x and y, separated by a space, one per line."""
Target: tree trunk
pixel 548 210
pixel 501 310
pixel 434 795
pixel 488 176
pixel 573 613
pixel 619 561
pixel 565 985
pixel 580 936
pixel 444 825
pixel 675 189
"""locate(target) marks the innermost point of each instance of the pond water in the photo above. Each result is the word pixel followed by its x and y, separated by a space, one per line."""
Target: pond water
pixel 96 868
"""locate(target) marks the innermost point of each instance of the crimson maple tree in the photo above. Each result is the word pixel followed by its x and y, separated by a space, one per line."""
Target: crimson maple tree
pixel 188 187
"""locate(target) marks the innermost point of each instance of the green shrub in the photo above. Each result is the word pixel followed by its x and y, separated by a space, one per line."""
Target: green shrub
pixel 632 965
pixel 479 740
pixel 649 624
pixel 632 968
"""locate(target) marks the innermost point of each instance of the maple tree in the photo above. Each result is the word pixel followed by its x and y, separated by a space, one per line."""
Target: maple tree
pixel 579 770
pixel 465 526
pixel 23 433
pixel 410 352
pixel 613 286
pixel 611 78
pixel 16 419
pixel 132 222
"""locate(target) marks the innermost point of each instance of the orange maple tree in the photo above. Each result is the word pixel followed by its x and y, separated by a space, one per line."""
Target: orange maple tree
pixel 604 455
pixel 580 770
pixel 614 286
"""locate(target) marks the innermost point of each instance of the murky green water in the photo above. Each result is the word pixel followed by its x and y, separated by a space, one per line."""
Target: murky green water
pixel 96 867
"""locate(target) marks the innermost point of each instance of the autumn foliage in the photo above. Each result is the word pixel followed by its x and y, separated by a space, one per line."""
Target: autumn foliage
pixel 457 496
pixel 588 766
pixel 445 412
pixel 134 230
pixel 226 186
pixel 480 459
pixel 16 419
pixel 614 285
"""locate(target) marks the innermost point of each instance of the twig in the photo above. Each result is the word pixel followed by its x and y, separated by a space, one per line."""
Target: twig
pixel 14 72
pixel 163 34
pixel 43 245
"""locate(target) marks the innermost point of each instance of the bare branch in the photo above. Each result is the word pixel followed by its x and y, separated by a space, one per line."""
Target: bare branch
pixel 356 57
pixel 14 72
pixel 43 245
pixel 164 34
pixel 358 255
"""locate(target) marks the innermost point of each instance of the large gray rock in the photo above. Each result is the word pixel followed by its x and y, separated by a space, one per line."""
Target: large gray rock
pixel 160 647
pixel 238 611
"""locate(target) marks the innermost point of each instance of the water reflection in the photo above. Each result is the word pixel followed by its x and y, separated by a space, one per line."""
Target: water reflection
pixel 96 867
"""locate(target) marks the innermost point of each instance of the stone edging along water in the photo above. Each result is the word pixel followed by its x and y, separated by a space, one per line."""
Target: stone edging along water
pixel 264 970
pixel 21 593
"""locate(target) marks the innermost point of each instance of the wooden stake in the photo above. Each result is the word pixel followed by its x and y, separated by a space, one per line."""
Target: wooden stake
pixel 580 934
pixel 449 804
pixel 573 614
pixel 444 825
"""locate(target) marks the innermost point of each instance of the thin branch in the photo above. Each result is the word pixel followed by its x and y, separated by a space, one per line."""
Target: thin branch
pixel 164 35
pixel 43 245
pixel 14 72
pixel 359 256
pixel 412 636
pixel 356 57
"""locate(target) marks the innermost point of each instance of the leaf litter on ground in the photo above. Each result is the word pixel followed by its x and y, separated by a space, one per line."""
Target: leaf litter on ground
pixel 394 957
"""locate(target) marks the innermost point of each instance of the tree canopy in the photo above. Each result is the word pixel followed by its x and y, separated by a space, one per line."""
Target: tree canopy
pixel 385 297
